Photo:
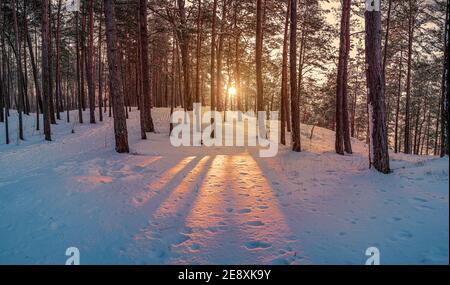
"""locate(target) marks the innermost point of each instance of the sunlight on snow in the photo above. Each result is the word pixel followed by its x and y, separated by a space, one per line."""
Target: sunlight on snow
pixel 159 183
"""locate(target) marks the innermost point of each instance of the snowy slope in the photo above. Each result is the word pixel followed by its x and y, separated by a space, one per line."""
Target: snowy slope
pixel 165 205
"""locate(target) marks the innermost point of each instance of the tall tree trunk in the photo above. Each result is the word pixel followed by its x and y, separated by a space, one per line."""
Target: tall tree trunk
pixel 342 123
pixel 444 101
pixel 37 85
pixel 90 63
pixel 427 147
pixel 19 68
pixel 213 63
pixel 5 90
pixel 416 128
pixel 354 103
pixel 83 59
pixel 397 109
pixel 100 70
pixel 50 57
pixel 140 81
pixel 284 77
pixel 198 52
pixel 295 104
pixel 386 37
pixel 25 66
pixel 407 148
pixel 2 71
pixel 173 83
pixel 220 48
pixel 115 80
pixel 437 133
pixel 379 155
pixel 258 53
pixel 146 111
pixel 301 60
pixel 2 92
pixel 46 88
pixel 79 87
pixel 237 57
pixel 183 36
pixel 58 62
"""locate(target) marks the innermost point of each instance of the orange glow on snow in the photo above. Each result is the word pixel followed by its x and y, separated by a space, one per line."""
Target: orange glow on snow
pixel 94 179
pixel 146 162
pixel 160 182
pixel 189 184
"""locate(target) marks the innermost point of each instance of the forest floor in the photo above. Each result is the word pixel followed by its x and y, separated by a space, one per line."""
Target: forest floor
pixel 198 205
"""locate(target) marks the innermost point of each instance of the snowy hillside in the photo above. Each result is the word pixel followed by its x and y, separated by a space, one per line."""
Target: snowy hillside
pixel 166 205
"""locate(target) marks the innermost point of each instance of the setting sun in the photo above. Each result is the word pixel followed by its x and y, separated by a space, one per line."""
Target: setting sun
pixel 232 91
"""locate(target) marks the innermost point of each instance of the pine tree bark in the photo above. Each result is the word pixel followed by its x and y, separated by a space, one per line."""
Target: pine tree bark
pixel 379 155
pixel 2 89
pixel 46 88
pixel 284 77
pixel 198 52
pixel 90 63
pixel 20 86
pixel 4 80
pixel 37 85
pixel 58 62
pixel 213 63
pixel 5 90
pixel 437 133
pixel 100 71
pixel 258 53
pixel 83 59
pixel 220 48
pixel 445 96
pixel 146 111
pixel 184 38
pixel 50 57
pixel 115 80
pixel 2 93
pixel 407 138
pixel 295 104
pixel 386 38
pixel 139 80
pixel 25 65
pixel 79 74
pixel 343 142
pixel 397 109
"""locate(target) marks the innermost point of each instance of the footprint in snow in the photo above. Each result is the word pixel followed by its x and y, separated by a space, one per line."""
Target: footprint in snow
pixel 418 199
pixel 280 261
pixel 404 235
pixel 183 238
pixel 195 246
pixel 244 211
pixel 257 245
pixel 255 223
pixel 395 219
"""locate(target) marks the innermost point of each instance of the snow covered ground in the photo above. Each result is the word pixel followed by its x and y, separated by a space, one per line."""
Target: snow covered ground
pixel 191 205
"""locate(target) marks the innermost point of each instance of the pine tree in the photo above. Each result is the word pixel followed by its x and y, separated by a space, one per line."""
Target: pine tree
pixel 295 104
pixel 46 88
pixel 342 122
pixel 146 111
pixel 379 156
pixel 115 79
